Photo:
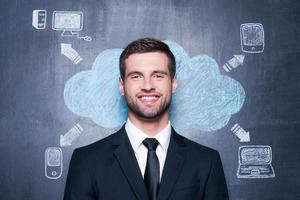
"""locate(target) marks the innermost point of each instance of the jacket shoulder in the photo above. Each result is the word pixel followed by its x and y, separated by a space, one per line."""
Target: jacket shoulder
pixel 100 147
pixel 196 148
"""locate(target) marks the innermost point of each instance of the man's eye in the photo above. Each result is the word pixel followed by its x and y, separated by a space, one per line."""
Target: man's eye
pixel 158 76
pixel 135 76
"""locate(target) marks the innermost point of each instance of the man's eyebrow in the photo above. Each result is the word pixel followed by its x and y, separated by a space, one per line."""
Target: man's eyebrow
pixel 154 72
pixel 160 72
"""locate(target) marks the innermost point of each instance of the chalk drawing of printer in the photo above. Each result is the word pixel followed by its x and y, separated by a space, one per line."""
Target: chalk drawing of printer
pixel 255 162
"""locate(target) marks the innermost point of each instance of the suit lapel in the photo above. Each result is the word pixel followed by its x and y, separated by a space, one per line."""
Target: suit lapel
pixel 126 158
pixel 173 165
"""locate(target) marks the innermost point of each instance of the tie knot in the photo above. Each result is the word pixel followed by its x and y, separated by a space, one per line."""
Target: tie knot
pixel 151 144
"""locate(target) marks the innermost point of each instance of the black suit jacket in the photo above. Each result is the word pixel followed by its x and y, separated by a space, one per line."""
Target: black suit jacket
pixel 108 170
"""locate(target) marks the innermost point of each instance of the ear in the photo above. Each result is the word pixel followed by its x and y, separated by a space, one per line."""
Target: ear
pixel 121 86
pixel 174 84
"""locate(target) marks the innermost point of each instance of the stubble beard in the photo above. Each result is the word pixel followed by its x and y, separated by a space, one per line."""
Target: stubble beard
pixel 148 113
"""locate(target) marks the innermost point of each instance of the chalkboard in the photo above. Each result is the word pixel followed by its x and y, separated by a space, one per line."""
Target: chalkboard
pixel 251 47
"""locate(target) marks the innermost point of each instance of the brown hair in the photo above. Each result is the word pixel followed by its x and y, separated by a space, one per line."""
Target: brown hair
pixel 146 45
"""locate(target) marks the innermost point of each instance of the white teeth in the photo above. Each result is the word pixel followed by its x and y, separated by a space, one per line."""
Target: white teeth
pixel 148 97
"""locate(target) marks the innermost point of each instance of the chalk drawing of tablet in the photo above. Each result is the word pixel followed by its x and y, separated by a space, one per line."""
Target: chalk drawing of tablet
pixel 53 163
pixel 255 162
pixel 252 38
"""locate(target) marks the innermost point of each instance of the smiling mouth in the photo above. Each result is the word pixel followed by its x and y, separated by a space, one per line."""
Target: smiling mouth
pixel 149 98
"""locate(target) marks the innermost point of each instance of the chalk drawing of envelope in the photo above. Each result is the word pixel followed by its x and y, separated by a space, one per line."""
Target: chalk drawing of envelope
pixel 255 162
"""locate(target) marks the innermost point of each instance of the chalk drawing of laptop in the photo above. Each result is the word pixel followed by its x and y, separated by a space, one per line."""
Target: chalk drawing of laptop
pixel 255 162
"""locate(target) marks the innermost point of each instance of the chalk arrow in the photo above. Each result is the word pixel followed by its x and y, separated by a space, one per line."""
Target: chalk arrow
pixel 239 59
pixel 241 133
pixel 243 136
pixel 71 135
pixel 234 62
pixel 69 52
pixel 64 141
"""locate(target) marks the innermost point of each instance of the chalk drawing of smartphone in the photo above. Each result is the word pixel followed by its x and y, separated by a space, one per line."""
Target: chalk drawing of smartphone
pixel 252 38
pixel 39 18
pixel 53 163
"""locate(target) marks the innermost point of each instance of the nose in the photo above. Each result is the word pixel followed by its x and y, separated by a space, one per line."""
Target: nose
pixel 148 85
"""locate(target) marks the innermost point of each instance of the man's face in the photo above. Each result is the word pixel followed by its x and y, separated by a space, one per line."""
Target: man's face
pixel 147 85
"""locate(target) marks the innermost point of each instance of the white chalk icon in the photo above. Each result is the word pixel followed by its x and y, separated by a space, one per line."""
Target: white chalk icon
pixel 252 37
pixel 53 162
pixel 69 52
pixel 234 62
pixel 71 135
pixel 241 133
pixel 70 22
pixel 39 19
pixel 255 162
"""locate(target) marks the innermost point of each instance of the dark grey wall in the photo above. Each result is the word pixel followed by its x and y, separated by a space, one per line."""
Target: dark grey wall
pixel 33 74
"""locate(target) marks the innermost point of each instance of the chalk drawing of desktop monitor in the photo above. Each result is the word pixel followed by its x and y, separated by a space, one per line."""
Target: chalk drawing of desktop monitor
pixel 255 162
pixel 67 21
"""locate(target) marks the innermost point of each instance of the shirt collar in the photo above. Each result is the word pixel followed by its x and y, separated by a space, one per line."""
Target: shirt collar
pixel 136 136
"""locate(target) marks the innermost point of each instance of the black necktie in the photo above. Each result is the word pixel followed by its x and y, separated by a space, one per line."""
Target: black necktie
pixel 151 177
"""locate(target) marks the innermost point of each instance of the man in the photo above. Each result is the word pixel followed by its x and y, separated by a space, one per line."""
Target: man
pixel 146 159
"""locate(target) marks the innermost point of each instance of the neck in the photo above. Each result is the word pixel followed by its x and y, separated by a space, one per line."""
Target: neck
pixel 150 126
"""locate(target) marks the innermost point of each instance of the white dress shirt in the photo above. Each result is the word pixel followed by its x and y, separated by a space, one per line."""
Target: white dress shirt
pixel 136 138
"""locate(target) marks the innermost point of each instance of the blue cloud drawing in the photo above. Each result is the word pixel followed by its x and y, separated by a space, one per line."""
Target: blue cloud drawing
pixel 204 100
